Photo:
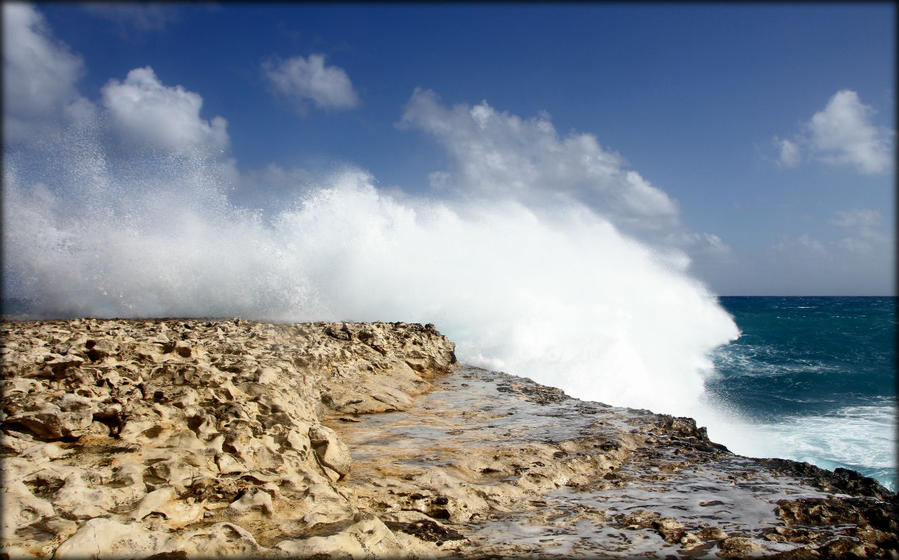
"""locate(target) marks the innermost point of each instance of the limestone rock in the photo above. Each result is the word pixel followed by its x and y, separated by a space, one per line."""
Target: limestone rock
pixel 222 540
pixel 197 439
pixel 252 499
pixel 330 451
pixel 106 538
pixel 367 537
pixel 70 416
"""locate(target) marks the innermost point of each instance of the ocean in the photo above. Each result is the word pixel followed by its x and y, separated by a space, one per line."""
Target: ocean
pixel 816 379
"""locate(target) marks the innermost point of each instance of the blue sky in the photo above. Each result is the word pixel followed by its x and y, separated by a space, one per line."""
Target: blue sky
pixel 714 106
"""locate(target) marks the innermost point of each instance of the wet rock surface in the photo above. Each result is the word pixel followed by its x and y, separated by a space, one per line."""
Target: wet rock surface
pixel 521 470
pixel 234 438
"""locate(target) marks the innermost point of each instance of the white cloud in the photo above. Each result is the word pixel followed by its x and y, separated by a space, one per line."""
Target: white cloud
pixel 496 155
pixel 39 77
pixel 142 16
pixel 789 152
pixel 308 79
pixel 500 155
pixel 147 113
pixel 843 134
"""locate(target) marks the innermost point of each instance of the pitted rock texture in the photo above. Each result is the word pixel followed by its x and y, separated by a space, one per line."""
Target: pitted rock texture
pixel 197 439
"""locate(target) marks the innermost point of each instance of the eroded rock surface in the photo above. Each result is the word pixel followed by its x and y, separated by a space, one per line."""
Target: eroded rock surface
pixel 242 439
pixel 499 466
pixel 197 437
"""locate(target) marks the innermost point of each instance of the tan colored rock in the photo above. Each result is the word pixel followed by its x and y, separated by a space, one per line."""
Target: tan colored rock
pixel 367 537
pixel 165 502
pixel 222 540
pixel 244 439
pixel 106 538
pixel 670 529
pixel 70 416
pixel 252 499
pixel 330 451
pixel 738 547
pixel 22 508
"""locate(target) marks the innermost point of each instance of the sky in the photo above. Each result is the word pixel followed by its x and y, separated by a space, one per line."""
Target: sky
pixel 753 144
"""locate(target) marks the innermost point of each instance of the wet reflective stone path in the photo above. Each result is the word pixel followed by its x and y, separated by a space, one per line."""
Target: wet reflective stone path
pixel 507 466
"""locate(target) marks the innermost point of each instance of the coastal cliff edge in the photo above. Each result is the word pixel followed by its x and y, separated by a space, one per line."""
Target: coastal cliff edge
pixel 210 438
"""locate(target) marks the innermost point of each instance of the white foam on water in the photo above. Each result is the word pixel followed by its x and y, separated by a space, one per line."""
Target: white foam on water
pixel 862 438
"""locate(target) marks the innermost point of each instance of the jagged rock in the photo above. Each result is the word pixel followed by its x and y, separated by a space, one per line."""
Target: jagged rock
pixel 253 499
pixel 201 439
pixel 69 417
pixel 738 547
pixel 368 537
pixel 106 538
pixel 330 451
pixel 58 366
pixel 222 540
pixel 670 529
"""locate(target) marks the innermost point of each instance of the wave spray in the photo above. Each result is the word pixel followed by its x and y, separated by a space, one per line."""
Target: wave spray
pixel 560 296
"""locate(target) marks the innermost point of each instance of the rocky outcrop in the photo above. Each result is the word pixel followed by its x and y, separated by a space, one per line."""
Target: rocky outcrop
pixel 234 438
pixel 500 466
pixel 201 437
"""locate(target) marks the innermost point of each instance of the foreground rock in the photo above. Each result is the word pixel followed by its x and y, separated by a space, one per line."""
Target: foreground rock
pixel 201 437
pixel 234 438
pixel 491 465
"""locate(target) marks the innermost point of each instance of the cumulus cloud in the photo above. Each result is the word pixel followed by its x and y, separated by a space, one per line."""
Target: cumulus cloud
pixel 302 80
pixel 841 134
pixel 39 77
pixel 146 113
pixel 497 154
pixel 41 99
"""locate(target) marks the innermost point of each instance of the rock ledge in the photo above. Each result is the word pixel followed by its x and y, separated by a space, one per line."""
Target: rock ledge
pixel 194 439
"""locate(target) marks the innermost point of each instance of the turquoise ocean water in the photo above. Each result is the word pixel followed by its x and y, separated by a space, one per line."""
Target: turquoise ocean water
pixel 816 376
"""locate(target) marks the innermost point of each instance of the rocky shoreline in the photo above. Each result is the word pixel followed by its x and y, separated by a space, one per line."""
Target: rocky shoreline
pixel 208 438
